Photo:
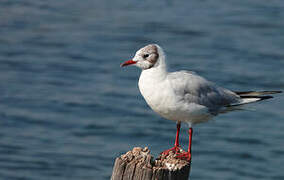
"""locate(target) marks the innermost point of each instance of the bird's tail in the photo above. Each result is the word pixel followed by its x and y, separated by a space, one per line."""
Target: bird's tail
pixel 254 96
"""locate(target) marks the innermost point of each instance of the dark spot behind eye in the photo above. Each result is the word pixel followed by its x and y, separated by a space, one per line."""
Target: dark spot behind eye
pixel 145 55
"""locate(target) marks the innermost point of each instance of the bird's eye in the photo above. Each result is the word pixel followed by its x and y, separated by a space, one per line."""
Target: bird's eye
pixel 146 55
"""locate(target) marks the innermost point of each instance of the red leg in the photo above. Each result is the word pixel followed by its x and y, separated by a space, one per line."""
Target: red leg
pixel 189 140
pixel 176 148
pixel 177 135
pixel 187 155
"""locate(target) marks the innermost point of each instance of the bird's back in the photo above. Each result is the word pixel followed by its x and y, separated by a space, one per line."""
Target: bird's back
pixel 195 89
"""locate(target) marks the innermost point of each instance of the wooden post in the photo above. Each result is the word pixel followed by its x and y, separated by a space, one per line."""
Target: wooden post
pixel 139 164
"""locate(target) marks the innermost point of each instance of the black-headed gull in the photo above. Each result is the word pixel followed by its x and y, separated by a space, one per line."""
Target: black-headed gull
pixel 184 96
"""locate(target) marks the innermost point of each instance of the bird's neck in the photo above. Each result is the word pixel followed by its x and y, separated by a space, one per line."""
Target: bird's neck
pixel 158 73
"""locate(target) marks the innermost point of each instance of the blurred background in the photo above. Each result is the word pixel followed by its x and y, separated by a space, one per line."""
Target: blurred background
pixel 67 109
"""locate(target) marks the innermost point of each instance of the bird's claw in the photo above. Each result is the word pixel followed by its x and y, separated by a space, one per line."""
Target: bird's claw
pixel 175 150
pixel 184 155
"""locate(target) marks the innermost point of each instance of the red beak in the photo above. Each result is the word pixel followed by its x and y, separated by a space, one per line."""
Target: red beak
pixel 126 63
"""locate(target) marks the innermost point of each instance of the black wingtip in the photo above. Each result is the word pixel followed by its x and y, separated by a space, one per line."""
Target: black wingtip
pixel 273 92
pixel 265 97
pixel 256 93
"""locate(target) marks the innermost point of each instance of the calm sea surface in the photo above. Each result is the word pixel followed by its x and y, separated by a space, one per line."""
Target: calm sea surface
pixel 67 109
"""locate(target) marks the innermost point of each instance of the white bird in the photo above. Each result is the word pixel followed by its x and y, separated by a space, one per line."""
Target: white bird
pixel 184 96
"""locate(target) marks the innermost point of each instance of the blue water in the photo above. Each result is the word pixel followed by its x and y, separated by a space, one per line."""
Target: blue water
pixel 67 109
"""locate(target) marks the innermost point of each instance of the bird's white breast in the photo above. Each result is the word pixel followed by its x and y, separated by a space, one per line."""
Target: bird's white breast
pixel 157 94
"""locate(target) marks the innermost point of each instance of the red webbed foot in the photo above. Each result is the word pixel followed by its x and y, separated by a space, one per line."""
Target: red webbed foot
pixel 175 150
pixel 184 156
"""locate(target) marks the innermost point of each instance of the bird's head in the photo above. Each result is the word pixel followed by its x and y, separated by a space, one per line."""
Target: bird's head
pixel 146 57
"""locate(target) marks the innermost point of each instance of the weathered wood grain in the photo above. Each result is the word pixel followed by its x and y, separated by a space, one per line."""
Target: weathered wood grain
pixel 139 164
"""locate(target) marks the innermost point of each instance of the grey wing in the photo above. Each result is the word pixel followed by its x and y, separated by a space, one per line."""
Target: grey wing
pixel 195 89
